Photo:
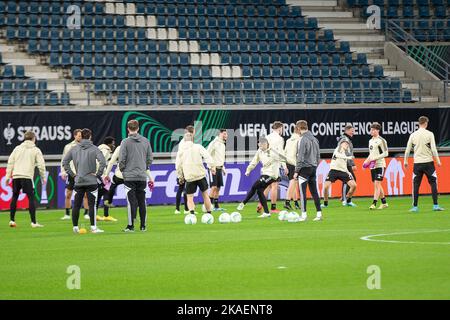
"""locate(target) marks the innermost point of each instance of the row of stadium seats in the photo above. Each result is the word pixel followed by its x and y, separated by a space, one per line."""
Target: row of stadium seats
pixel 293 97
pixel 13 72
pixel 222 46
pixel 398 2
pixel 162 59
pixel 32 99
pixel 161 8
pixel 22 33
pixel 8 85
pixel 195 72
pixel 119 21
pixel 409 12
pixel 205 86
pixel 204 2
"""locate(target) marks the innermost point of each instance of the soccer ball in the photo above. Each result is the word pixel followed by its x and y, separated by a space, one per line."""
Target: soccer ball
pixel 224 218
pixel 208 218
pixel 282 216
pixel 190 219
pixel 82 231
pixel 236 217
pixel 293 217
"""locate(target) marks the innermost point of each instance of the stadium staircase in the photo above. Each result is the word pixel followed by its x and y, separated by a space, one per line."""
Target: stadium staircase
pixel 36 69
pixel 347 25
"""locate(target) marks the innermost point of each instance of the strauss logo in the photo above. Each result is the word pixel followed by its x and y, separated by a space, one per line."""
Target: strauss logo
pixel 9 134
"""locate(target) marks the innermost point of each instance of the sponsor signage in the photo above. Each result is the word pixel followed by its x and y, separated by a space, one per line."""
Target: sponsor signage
pixel 164 129
pixel 397 182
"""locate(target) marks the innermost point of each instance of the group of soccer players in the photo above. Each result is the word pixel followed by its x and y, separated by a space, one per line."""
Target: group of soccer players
pixel 86 168
pixel 301 158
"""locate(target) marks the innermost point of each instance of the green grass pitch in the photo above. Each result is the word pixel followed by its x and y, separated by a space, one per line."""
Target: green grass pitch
pixel 254 259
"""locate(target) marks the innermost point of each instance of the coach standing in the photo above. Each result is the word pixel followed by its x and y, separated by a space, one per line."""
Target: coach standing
pixel 308 158
pixel 424 145
pixel 85 157
pixel 21 165
pixel 134 159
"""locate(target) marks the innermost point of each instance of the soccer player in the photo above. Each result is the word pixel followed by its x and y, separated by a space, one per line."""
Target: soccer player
pixel 89 165
pixel 424 145
pixel 135 158
pixel 191 170
pixel 269 174
pixel 107 149
pixel 217 151
pixel 378 150
pixel 290 152
pixel 116 181
pixel 182 186
pixel 349 132
pixel 70 182
pixel 276 143
pixel 20 169
pixel 308 158
pixel 339 171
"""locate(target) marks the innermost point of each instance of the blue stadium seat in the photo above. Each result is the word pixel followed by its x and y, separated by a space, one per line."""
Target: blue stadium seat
pixel 378 71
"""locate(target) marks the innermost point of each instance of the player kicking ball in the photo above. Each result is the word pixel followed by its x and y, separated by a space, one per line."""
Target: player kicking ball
pixel 339 171
pixel 269 174
pixel 378 151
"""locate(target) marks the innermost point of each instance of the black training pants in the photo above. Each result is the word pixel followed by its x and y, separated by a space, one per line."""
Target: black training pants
pixel 27 186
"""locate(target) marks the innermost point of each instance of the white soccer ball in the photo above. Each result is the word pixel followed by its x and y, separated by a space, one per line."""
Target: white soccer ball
pixel 208 218
pixel 190 219
pixel 293 217
pixel 224 218
pixel 282 216
pixel 236 217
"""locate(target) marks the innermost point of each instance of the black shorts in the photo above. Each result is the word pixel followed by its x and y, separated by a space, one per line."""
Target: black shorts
pixel 70 182
pixel 26 185
pixel 264 181
pixel 291 171
pixel 377 174
pixel 216 180
pixel 334 175
pixel 427 169
pixel 191 187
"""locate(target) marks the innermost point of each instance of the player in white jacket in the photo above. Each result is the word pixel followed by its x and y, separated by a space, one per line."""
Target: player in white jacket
pixel 276 143
pixel 182 186
pixel 270 173
pixel 339 171
pixel 190 168
pixel 290 152
pixel 107 148
pixel 378 151
pixel 20 170
pixel 217 150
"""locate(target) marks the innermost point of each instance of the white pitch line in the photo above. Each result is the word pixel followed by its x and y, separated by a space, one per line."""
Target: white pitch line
pixel 369 237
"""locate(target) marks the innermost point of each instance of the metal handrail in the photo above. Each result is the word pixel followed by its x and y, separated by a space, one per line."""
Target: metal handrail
pixel 403 39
